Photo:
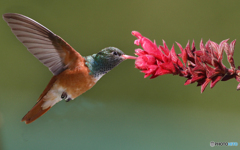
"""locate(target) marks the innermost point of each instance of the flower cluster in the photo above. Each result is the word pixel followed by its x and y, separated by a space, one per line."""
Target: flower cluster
pixel 203 66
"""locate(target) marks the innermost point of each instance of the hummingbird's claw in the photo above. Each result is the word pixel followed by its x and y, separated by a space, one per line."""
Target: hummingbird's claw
pixel 64 95
pixel 67 100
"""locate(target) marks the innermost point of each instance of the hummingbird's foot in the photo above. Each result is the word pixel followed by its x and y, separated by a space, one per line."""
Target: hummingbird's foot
pixel 64 95
pixel 67 100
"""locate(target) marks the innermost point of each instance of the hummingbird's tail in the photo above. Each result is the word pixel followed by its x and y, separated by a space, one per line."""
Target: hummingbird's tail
pixel 36 112
pixel 45 102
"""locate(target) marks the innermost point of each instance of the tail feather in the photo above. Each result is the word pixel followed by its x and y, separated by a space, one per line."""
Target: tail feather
pixel 37 110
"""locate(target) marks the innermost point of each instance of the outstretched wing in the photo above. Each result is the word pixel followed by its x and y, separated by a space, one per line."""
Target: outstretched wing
pixel 47 47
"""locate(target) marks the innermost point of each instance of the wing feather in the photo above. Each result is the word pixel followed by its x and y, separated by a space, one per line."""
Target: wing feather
pixel 47 47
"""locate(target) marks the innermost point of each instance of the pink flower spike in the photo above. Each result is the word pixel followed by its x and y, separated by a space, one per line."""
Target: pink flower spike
pixel 203 66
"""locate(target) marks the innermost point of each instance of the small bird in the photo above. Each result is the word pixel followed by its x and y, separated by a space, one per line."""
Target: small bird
pixel 73 73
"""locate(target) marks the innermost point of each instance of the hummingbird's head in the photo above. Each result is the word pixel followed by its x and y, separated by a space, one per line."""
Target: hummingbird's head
pixel 105 60
pixel 112 56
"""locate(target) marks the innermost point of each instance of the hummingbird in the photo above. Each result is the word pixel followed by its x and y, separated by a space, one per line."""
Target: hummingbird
pixel 73 74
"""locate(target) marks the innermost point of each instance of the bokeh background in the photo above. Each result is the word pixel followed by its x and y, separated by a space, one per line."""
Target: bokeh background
pixel 123 111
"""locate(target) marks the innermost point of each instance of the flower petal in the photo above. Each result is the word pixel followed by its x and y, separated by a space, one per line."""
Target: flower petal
pixel 203 87
pixel 215 81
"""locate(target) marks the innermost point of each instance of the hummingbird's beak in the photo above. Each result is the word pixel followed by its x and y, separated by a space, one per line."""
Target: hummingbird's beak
pixel 128 57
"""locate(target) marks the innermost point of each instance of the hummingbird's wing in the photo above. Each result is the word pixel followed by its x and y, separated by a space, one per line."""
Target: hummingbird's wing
pixel 47 47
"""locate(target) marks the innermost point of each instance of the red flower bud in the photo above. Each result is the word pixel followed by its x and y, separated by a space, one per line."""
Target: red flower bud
pixel 144 61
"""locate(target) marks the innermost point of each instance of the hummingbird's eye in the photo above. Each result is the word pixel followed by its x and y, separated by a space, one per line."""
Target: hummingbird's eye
pixel 114 53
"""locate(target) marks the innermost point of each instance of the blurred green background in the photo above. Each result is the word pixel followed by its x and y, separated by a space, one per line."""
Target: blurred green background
pixel 123 111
